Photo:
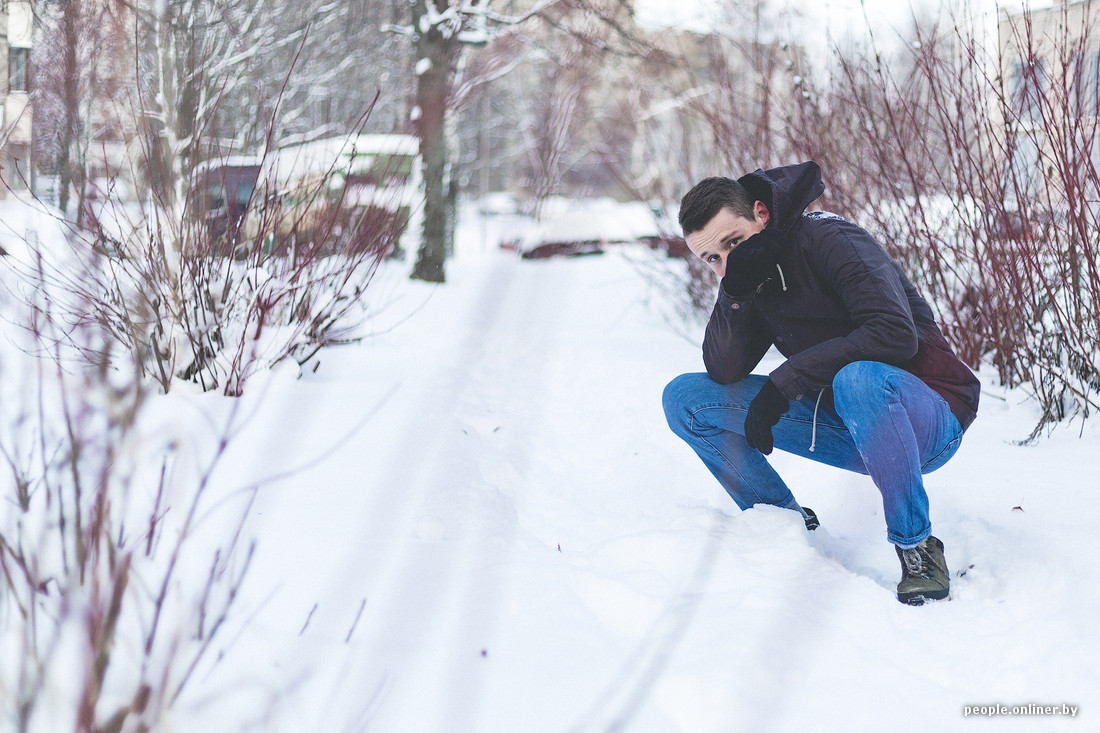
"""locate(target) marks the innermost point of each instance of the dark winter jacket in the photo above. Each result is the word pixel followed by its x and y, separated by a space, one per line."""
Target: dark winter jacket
pixel 836 298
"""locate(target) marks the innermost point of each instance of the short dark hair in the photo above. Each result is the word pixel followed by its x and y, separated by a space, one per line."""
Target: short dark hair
pixel 709 196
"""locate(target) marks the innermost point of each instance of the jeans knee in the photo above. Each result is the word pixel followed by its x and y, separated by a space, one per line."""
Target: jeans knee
pixel 853 376
pixel 673 400
pixel 855 382
pixel 679 399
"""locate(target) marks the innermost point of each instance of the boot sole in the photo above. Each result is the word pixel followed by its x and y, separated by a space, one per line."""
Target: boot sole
pixel 920 599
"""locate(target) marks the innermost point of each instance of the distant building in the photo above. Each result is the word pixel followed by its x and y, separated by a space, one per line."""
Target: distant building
pixel 16 22
pixel 1050 65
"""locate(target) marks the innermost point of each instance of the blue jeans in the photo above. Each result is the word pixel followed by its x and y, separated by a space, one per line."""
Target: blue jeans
pixel 887 424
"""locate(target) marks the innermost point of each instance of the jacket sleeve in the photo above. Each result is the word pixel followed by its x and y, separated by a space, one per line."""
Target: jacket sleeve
pixel 871 286
pixel 736 339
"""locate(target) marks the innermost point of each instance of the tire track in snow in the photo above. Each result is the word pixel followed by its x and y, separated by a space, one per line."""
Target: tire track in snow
pixel 460 535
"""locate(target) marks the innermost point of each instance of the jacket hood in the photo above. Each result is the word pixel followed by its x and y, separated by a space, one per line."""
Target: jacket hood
pixel 786 191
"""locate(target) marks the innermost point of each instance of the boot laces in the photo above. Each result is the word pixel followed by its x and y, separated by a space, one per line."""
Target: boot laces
pixel 914 561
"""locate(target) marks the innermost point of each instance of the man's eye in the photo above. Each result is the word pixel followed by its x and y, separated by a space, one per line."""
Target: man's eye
pixel 712 258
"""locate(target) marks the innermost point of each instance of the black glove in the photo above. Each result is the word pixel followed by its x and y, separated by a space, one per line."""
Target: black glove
pixel 764 412
pixel 752 262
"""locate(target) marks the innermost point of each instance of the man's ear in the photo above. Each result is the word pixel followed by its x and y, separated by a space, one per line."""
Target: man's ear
pixel 761 212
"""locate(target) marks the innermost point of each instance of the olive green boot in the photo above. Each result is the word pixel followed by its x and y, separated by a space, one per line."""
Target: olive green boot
pixel 924 575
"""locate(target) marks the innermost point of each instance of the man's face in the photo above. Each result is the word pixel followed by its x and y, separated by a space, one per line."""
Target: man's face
pixel 723 233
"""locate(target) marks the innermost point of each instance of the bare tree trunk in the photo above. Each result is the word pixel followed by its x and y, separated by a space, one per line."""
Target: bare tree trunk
pixel 435 54
pixel 71 163
pixel 165 158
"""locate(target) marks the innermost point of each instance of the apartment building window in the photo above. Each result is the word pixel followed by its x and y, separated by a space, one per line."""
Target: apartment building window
pixel 17 173
pixel 1029 84
pixel 1086 84
pixel 18 75
pixel 1092 83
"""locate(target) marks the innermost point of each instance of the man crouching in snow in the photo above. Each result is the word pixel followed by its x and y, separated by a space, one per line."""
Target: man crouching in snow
pixel 869 383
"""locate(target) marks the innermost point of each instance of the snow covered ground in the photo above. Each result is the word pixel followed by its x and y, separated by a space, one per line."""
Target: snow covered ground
pixel 536 552
pixel 476 520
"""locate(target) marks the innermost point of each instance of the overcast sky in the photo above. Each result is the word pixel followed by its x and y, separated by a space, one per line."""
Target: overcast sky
pixel 704 14
pixel 840 17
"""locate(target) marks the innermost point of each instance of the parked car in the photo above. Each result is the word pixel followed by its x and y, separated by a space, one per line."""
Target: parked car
pixel 342 190
pixel 571 227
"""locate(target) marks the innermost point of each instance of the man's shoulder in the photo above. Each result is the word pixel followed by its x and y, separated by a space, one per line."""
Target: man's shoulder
pixel 826 229
pixel 819 216
pixel 819 232
pixel 829 241
pixel 827 220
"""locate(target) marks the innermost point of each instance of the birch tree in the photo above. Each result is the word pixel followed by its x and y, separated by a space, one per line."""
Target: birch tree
pixel 79 59
pixel 195 56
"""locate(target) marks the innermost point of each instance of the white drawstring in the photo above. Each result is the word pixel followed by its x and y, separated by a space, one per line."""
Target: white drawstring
pixel 813 432
pixel 782 280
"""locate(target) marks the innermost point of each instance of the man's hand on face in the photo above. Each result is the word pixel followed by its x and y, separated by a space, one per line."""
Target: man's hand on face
pixel 764 412
pixel 752 262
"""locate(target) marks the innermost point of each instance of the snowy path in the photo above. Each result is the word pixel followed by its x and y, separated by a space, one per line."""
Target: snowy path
pixel 502 535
